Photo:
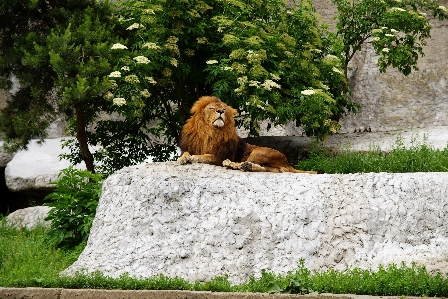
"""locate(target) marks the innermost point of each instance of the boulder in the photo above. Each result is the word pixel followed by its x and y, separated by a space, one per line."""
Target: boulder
pixel 29 218
pixel 199 221
pixel 34 169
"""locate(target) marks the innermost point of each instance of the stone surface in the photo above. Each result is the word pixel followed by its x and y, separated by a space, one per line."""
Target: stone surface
pixel 34 169
pixel 29 217
pixel 4 156
pixel 199 221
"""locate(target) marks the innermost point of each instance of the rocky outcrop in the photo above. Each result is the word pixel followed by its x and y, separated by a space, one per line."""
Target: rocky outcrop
pixel 29 218
pixel 199 221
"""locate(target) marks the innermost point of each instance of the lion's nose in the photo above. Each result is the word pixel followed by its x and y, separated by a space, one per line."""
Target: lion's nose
pixel 220 111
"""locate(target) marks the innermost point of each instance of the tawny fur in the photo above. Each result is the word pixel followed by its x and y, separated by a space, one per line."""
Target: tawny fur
pixel 207 139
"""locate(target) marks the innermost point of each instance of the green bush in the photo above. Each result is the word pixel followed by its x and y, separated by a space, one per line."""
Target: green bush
pixel 73 203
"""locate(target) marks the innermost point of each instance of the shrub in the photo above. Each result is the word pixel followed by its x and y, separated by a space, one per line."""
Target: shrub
pixel 73 203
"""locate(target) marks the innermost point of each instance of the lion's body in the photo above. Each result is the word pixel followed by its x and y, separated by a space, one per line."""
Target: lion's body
pixel 209 136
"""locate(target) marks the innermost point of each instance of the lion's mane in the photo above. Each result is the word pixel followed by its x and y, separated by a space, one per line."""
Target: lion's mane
pixel 200 137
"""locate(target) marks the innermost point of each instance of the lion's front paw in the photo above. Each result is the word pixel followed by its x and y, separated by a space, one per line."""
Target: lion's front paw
pixel 184 159
pixel 246 166
pixel 226 163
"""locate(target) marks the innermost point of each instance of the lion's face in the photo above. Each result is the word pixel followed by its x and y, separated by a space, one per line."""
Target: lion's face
pixel 215 114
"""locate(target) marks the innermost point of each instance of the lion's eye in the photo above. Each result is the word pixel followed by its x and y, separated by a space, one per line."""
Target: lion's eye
pixel 212 108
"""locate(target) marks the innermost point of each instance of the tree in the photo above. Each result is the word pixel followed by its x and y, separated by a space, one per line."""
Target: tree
pixel 267 60
pixel 398 29
pixel 61 58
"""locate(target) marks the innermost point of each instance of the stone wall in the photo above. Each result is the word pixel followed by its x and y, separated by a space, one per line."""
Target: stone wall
pixel 390 100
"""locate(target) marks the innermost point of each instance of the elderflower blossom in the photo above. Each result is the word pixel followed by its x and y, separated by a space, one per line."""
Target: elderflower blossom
pixel 118 46
pixel 397 9
pixel 115 74
pixel 151 80
pixel 145 93
pixel 173 62
pixel 394 31
pixel 212 61
pixel 131 79
pixel 377 30
pixel 336 70
pixel 275 77
pixel 241 80
pixel 108 95
pixel 441 7
pixel 375 39
pixel 135 26
pixel 269 84
pixel 141 59
pixel 152 46
pixel 307 92
pixel 202 40
pixel 254 83
pixel 227 68
pixel 390 35
pixel 385 50
pixel 125 68
pixel 119 101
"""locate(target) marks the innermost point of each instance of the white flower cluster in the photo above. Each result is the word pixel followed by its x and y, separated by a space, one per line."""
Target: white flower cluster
pixel 385 50
pixel 173 62
pixel 269 84
pixel 118 46
pixel 336 70
pixel 142 59
pixel 115 74
pixel 152 46
pixel 375 39
pixel 441 7
pixel 212 61
pixel 397 9
pixel 151 80
pixel 125 68
pixel 307 92
pixel 119 101
pixel 135 26
pixel 145 93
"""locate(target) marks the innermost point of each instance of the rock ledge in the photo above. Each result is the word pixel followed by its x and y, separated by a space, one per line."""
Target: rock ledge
pixel 200 221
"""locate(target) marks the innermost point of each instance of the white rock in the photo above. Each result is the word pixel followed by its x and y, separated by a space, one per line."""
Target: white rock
pixel 29 217
pixel 35 168
pixel 199 221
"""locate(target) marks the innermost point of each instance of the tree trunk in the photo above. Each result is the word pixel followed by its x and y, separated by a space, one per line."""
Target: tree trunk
pixel 86 155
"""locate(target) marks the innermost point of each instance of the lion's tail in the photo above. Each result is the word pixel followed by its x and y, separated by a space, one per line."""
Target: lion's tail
pixel 291 169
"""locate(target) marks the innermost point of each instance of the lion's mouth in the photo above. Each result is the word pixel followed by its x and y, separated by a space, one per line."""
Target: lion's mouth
pixel 219 122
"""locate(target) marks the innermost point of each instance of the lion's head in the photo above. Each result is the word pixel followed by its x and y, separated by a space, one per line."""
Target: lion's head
pixel 212 111
pixel 210 129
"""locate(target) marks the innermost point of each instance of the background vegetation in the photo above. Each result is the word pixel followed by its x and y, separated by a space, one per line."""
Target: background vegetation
pixel 126 75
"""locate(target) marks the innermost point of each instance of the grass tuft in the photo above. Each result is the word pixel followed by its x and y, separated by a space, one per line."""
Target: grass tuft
pixel 418 156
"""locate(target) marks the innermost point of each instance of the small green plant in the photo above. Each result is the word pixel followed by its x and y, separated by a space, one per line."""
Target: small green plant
pixel 73 203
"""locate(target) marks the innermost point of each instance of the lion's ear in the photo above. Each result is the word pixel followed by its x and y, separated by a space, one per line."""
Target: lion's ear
pixel 232 111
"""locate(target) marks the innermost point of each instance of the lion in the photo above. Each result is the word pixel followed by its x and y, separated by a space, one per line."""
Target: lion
pixel 209 136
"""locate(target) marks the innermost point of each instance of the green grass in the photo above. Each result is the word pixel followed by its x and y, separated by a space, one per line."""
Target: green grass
pixel 418 156
pixel 27 259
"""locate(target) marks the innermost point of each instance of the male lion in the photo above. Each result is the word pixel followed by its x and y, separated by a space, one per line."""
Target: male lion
pixel 209 136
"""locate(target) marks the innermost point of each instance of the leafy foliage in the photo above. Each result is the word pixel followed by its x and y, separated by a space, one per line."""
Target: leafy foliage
pixel 265 59
pixel 73 203
pixel 398 29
